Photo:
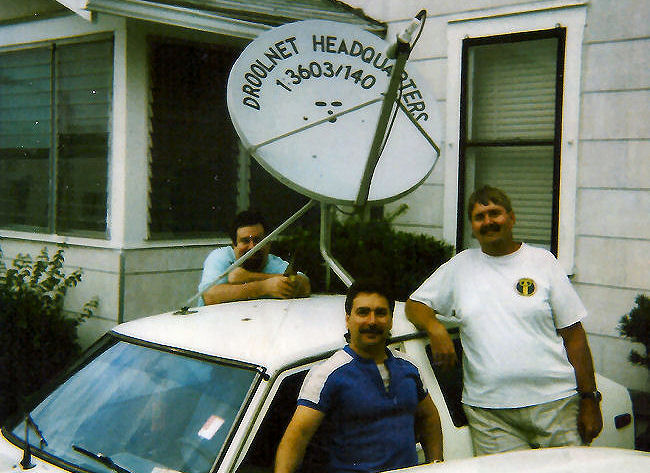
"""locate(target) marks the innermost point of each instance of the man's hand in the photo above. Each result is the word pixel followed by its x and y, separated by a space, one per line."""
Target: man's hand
pixel 590 420
pixel 280 287
pixel 424 318
pixel 442 347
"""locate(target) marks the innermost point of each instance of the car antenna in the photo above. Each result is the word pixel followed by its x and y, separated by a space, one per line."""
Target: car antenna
pixel 26 462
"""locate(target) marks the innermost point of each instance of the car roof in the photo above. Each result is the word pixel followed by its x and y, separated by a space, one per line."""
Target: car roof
pixel 269 332
pixel 546 460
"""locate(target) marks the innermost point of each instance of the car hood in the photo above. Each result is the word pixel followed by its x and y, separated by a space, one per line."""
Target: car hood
pixel 10 457
pixel 547 460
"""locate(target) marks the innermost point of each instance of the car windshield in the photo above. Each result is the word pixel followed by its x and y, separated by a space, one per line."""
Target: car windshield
pixel 144 409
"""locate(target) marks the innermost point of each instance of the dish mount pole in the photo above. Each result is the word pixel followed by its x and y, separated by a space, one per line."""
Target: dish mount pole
pixel 326 216
pixel 402 49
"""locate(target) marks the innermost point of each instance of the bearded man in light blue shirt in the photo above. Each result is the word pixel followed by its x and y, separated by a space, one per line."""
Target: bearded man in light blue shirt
pixel 260 276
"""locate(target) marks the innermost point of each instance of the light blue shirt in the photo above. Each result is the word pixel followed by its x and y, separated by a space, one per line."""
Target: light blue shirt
pixel 220 259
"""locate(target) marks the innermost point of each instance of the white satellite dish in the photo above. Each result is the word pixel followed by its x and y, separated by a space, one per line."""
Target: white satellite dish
pixel 305 99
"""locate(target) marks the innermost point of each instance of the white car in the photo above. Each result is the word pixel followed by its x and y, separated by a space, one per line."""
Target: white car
pixel 212 391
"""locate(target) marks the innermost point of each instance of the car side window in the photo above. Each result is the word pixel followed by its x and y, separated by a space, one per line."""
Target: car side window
pixel 451 384
pixel 261 454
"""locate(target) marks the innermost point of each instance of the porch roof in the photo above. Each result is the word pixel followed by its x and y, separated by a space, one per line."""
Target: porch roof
pixel 242 18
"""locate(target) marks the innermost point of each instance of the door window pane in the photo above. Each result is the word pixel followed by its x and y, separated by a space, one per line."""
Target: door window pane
pixel 513 90
pixel 529 186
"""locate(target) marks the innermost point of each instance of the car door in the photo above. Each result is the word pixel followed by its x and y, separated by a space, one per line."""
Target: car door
pixel 445 388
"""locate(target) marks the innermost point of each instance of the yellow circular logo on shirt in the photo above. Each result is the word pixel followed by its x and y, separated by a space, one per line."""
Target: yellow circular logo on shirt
pixel 526 287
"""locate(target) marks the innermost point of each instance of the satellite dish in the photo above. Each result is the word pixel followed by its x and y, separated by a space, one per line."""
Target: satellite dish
pixel 305 99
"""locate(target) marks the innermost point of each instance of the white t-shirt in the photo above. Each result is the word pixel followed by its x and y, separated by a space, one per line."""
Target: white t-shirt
pixel 508 309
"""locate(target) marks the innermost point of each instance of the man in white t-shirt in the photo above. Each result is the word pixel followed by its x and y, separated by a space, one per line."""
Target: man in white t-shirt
pixel 527 368
pixel 260 276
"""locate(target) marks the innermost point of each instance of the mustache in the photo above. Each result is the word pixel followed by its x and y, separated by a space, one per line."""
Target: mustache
pixel 492 227
pixel 372 329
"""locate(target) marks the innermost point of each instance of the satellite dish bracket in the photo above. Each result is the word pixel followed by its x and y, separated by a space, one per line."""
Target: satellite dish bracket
pixel 420 129
pixel 327 119
pixel 403 52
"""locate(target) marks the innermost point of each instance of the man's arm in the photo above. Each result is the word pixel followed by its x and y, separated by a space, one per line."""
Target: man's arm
pixel 300 430
pixel 300 282
pixel 424 318
pixel 590 419
pixel 244 285
pixel 428 430
pixel 241 275
pixel 275 286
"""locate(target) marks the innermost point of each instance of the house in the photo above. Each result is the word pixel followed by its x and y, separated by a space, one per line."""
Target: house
pixel 115 139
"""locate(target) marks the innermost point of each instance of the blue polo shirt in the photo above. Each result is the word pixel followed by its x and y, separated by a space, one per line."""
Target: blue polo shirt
pixel 374 429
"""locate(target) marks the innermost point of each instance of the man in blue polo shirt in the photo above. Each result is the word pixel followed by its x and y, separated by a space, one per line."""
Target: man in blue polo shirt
pixel 374 397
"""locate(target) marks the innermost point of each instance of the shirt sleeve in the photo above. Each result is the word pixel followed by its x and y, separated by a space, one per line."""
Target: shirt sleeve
pixel 215 264
pixel 275 265
pixel 437 292
pixel 565 303
pixel 316 390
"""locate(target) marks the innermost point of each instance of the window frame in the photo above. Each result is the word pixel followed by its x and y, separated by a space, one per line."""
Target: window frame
pixel 265 397
pixel 508 20
pixel 53 156
pixel 465 143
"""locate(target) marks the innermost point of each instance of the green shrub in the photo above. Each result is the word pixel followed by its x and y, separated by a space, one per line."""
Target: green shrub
pixel 636 326
pixel 37 339
pixel 366 249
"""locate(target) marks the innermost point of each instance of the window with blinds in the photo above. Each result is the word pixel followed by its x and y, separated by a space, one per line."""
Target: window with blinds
pixel 510 129
pixel 199 178
pixel 55 105
pixel 193 170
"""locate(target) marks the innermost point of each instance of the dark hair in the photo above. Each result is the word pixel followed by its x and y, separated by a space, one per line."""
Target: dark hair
pixel 370 287
pixel 247 218
pixel 485 195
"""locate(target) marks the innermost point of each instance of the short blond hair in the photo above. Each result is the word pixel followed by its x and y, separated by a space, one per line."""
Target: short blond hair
pixel 485 195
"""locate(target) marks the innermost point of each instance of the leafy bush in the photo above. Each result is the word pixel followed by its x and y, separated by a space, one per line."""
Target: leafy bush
pixel 366 249
pixel 37 339
pixel 636 326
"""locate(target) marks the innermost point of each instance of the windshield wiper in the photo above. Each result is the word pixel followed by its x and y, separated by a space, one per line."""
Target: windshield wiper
pixel 38 432
pixel 101 458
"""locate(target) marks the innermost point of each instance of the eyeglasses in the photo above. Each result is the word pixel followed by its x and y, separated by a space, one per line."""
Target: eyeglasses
pixel 254 239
